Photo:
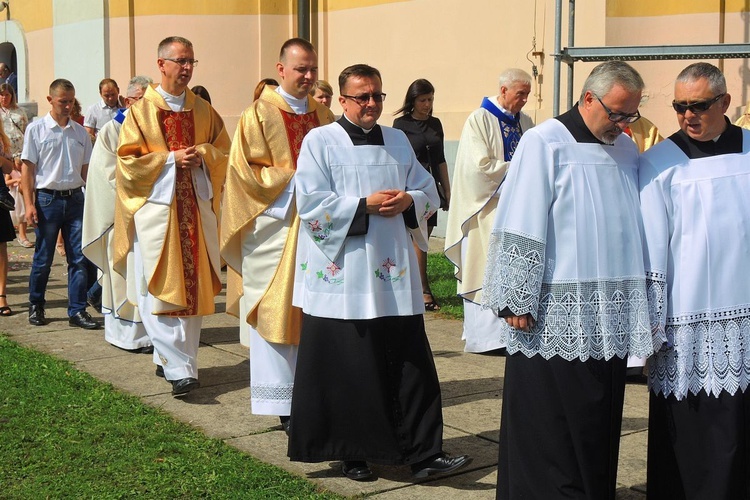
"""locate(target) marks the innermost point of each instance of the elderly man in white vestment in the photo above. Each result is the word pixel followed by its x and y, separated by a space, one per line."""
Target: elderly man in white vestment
pixel 488 141
pixel 366 389
pixel 565 269
pixel 122 324
pixel 696 216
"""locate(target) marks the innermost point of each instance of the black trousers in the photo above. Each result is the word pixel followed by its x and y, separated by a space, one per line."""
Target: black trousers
pixel 560 428
pixel 699 447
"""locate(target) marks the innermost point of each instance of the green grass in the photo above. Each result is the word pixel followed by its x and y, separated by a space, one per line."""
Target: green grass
pixel 443 286
pixel 63 434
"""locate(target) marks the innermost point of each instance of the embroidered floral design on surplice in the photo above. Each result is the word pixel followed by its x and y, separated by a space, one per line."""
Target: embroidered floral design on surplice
pixel 328 275
pixel 321 231
pixel 428 211
pixel 391 273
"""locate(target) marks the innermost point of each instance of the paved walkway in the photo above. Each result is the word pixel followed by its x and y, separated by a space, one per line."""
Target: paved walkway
pixel 471 386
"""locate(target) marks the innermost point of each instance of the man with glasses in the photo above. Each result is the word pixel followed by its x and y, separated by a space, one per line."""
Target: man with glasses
pixel 122 324
pixel 488 140
pixel 366 389
pixel 696 215
pixel 565 269
pixel 170 170
pixel 259 225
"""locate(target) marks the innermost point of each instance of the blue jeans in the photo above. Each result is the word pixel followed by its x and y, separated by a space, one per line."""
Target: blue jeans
pixel 55 212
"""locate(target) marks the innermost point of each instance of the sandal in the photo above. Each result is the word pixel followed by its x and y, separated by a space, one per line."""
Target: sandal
pixel 24 242
pixel 430 304
pixel 61 249
pixel 5 310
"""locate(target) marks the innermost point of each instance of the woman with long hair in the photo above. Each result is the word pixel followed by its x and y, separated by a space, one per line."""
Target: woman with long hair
pixel 425 133
pixel 14 121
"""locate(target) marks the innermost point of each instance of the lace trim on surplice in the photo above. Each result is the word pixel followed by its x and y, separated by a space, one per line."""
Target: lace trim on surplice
pixel 656 286
pixel 271 393
pixel 707 351
pixel 513 275
pixel 597 319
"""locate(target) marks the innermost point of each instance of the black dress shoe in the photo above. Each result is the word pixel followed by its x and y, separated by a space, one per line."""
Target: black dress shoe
pixel 159 371
pixel 440 464
pixel 84 320
pixel 36 315
pixel 149 349
pixel 356 470
pixel 286 424
pixel 184 385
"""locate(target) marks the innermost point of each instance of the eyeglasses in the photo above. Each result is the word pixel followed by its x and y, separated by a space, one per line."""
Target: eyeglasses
pixel 364 99
pixel 696 107
pixel 619 117
pixel 183 62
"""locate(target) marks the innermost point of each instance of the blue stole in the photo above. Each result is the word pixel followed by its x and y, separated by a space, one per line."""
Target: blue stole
pixel 120 116
pixel 509 125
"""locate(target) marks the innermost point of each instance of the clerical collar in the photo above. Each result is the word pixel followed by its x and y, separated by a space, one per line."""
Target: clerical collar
pixel 175 102
pixel 730 141
pixel 299 106
pixel 573 121
pixel 360 136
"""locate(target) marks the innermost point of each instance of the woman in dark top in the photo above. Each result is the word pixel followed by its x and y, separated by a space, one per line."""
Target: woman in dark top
pixel 425 133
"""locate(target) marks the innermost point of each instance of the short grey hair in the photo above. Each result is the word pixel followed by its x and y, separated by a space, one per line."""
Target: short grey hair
pixel 513 75
pixel 136 83
pixel 608 74
pixel 166 44
pixel 716 81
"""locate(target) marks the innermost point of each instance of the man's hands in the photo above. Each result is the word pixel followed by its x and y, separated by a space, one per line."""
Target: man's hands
pixel 389 202
pixel 187 158
pixel 525 322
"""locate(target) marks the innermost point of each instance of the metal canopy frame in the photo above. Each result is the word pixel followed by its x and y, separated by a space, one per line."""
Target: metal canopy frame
pixel 569 55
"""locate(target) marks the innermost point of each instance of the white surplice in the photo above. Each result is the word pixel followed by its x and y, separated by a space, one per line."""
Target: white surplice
pixel 367 276
pixel 122 323
pixel 566 248
pixel 697 224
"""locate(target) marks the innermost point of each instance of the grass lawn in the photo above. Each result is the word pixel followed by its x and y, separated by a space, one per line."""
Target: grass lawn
pixel 63 434
pixel 443 285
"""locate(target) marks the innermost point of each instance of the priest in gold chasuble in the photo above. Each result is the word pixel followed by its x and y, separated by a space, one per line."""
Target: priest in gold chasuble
pixel 259 225
pixel 172 160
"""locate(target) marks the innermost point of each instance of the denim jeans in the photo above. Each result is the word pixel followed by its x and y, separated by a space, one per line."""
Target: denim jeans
pixel 55 212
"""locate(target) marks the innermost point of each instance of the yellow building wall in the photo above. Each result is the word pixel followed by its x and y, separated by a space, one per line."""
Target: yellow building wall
pixel 461 47
pixel 683 22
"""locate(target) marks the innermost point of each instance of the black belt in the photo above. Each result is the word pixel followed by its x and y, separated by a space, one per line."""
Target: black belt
pixel 63 193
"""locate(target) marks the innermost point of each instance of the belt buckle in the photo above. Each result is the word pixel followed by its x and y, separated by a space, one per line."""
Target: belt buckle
pixel 65 192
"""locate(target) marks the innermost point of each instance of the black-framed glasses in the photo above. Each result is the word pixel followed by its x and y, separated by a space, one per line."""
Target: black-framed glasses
pixel 183 62
pixel 619 117
pixel 364 99
pixel 696 107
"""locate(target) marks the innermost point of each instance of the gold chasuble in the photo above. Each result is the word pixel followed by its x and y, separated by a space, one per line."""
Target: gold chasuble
pixel 179 240
pixel 262 163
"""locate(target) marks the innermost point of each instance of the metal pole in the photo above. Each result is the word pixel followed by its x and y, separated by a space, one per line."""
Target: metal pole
pixel 557 55
pixel 571 43
pixel 303 19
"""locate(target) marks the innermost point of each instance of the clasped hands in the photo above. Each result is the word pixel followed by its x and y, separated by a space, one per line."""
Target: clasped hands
pixel 389 202
pixel 188 157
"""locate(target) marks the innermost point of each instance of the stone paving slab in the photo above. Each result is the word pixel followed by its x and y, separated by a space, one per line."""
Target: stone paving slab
pixel 471 388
